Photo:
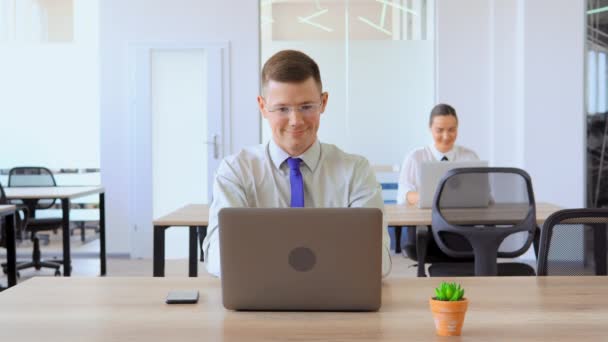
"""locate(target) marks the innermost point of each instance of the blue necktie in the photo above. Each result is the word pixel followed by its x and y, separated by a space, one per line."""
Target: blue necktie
pixel 444 158
pixel 297 183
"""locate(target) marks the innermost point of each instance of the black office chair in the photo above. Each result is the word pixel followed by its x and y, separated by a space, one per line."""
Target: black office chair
pixel 474 211
pixel 573 242
pixel 34 176
pixel 420 246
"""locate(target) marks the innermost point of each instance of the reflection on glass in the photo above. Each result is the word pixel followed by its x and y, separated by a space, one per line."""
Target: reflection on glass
pixel 36 20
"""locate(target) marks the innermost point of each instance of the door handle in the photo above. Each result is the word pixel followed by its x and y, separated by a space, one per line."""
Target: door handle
pixel 215 145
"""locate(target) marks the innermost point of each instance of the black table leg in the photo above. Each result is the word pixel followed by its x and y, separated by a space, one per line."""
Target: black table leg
pixel 192 262
pixel 11 250
pixel 599 249
pixel 159 251
pixel 397 239
pixel 65 228
pixel 102 233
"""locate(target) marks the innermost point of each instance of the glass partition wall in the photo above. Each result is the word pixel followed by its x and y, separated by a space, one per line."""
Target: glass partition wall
pixel 377 64
pixel 49 87
pixel 596 103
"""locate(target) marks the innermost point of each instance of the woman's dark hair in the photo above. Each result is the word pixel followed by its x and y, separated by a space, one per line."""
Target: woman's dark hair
pixel 442 109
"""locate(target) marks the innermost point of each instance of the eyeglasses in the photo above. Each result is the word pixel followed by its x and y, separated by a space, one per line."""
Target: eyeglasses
pixel 305 109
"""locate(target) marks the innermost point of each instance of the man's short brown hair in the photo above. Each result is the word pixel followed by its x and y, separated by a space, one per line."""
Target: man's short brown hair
pixel 290 66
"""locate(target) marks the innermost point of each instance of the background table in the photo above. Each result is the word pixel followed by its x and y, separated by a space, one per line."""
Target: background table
pixel 194 216
pixel 400 216
pixel 197 215
pixel 65 194
pixel 8 211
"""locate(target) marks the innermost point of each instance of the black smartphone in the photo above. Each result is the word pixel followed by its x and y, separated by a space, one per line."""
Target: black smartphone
pixel 182 297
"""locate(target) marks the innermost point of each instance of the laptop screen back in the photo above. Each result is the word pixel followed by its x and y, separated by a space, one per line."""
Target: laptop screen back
pixel 430 173
pixel 301 258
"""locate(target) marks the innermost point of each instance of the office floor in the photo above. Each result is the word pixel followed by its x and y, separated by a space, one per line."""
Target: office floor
pixel 85 262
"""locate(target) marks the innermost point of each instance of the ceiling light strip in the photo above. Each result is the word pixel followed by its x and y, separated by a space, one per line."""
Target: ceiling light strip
pixel 598 10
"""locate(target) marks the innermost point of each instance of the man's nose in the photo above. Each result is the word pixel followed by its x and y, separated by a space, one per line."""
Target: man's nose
pixel 295 116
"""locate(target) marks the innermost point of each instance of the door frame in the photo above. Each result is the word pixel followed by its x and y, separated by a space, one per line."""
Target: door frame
pixel 140 172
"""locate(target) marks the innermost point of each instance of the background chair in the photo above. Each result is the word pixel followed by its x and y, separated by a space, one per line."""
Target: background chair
pixel 475 211
pixel 420 246
pixel 35 176
pixel 573 242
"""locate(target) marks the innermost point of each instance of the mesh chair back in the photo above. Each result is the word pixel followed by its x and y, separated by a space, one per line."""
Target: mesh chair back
pixel 573 242
pixel 484 213
pixel 33 176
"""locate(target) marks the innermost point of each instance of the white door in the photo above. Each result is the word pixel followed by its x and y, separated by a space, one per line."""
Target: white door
pixel 179 110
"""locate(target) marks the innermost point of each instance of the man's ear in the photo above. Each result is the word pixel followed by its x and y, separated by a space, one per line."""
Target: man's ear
pixel 324 98
pixel 262 106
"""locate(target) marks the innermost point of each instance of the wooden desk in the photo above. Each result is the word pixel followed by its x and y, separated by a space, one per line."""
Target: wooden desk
pixel 197 215
pixel 133 309
pixel 8 211
pixel 399 216
pixel 194 216
pixel 65 194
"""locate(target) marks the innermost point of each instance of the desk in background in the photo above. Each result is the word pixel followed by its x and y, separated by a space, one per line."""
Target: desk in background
pixel 194 216
pixel 400 216
pixel 8 212
pixel 197 215
pixel 65 194
pixel 133 309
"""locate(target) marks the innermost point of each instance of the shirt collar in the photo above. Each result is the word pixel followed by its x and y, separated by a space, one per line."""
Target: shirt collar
pixel 310 157
pixel 439 155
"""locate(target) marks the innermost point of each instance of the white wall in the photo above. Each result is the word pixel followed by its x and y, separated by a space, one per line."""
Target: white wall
pixel 514 70
pixel 554 128
pixel 123 22
pixel 463 68
pixel 507 87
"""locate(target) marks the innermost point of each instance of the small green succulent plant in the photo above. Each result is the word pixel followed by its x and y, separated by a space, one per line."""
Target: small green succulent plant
pixel 449 292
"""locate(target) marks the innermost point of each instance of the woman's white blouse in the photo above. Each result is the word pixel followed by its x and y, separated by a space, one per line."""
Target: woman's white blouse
pixel 408 178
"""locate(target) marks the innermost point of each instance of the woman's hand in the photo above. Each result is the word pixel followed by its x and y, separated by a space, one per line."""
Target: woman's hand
pixel 412 197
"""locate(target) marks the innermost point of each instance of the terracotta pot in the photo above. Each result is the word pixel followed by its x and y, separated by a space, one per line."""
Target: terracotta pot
pixel 448 316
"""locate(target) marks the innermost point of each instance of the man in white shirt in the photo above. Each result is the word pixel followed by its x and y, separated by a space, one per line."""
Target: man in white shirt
pixel 293 169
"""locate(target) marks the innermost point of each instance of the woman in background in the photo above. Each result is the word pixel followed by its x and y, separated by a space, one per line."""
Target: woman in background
pixel 443 124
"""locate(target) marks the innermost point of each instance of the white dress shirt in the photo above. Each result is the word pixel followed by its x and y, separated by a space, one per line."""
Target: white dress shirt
pixel 258 177
pixel 408 178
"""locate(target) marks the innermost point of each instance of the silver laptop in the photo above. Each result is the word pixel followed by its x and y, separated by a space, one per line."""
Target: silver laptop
pixel 310 259
pixel 430 173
